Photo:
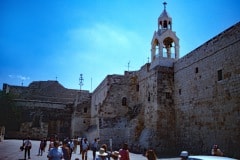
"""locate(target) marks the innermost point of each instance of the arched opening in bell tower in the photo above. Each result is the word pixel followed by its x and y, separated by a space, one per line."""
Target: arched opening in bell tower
pixel 169 48
pixel 165 24
pixel 155 49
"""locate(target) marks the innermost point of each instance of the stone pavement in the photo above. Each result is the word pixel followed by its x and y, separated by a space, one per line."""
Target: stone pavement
pixel 9 150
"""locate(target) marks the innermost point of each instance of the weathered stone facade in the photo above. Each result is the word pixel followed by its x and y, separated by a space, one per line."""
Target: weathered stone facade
pixel 175 104
pixel 170 104
pixel 207 95
pixel 48 108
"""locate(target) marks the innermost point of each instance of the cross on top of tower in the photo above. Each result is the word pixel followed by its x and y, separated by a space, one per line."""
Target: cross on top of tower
pixel 164 3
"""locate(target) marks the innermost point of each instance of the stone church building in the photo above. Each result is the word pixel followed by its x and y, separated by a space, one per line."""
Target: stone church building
pixel 170 104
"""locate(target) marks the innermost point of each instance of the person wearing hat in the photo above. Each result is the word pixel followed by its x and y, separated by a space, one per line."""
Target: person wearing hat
pixel 115 155
pixel 101 154
pixel 216 151
pixel 184 155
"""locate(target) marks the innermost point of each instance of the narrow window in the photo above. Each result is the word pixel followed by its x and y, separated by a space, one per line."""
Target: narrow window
pixel 219 75
pixel 100 122
pixel 124 101
pixel 148 96
pixel 180 91
pixel 85 110
pixel 165 25
pixel 137 87
pixel 196 70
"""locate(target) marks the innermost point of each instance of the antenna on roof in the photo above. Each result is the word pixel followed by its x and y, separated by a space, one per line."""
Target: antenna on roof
pixel 128 65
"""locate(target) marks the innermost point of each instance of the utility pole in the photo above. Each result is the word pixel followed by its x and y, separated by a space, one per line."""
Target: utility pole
pixel 81 81
pixel 128 65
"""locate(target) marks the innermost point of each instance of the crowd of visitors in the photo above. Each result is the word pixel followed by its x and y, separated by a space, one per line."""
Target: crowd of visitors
pixel 62 150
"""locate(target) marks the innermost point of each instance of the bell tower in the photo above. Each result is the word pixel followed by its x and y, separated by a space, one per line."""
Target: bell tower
pixel 165 43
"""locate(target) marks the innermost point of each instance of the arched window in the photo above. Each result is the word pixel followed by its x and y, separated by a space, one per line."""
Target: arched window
pixel 124 101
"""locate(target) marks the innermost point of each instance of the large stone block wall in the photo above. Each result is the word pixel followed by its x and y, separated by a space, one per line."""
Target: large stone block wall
pixel 98 97
pixel 42 119
pixel 113 116
pixel 147 119
pixel 208 108
pixel 159 117
pixel 47 108
pixel 81 116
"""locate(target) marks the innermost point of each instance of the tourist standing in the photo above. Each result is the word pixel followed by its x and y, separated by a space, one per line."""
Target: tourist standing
pixel 85 147
pixel 71 146
pixel 184 155
pixel 56 152
pixel 150 154
pixel 124 152
pixel 27 147
pixel 216 151
pixel 115 155
pixel 104 146
pixel 102 154
pixel 94 147
pixel 66 151
pixel 41 147
pixel 75 142
pixel 80 144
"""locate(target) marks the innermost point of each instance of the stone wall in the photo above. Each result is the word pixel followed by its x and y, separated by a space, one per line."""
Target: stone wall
pixel 42 119
pixel 47 108
pixel 81 116
pixel 207 101
pixel 156 89
pixel 137 108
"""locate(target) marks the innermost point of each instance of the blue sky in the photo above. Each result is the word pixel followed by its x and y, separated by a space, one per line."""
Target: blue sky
pixel 44 39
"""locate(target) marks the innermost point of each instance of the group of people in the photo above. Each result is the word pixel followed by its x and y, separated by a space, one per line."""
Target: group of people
pixel 63 150
pixel 59 152
pixel 122 154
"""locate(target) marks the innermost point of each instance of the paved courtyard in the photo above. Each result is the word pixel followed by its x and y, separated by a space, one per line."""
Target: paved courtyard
pixel 9 150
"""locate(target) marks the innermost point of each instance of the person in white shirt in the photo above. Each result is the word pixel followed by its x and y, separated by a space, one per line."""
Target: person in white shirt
pixel 27 147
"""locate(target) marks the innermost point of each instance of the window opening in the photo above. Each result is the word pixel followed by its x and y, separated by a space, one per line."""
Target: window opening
pixel 124 101
pixel 148 96
pixel 85 110
pixel 219 75
pixel 137 87
pixel 196 70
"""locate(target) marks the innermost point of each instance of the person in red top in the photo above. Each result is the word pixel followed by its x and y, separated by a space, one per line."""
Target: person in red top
pixel 124 152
